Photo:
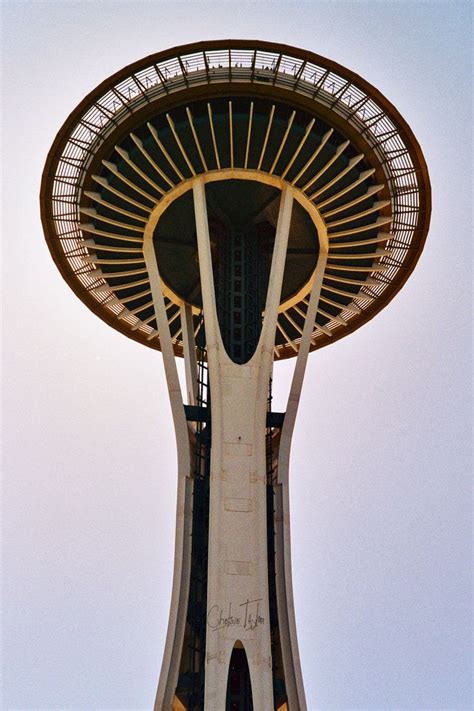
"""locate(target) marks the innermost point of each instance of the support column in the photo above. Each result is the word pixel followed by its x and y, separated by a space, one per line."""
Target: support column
pixel 285 601
pixel 182 559
pixel 189 347
pixel 237 601
pixel 237 585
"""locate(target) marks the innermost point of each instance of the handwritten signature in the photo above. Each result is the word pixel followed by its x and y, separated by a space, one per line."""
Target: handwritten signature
pixel 249 618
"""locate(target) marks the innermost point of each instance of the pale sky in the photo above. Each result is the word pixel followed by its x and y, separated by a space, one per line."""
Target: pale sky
pixel 380 470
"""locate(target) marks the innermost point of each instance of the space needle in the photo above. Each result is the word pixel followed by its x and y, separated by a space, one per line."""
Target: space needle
pixel 234 203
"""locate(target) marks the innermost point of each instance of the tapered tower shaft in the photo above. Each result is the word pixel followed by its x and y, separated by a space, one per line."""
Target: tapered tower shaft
pixel 238 596
pixel 238 642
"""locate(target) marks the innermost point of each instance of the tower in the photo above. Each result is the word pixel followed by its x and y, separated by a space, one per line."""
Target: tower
pixel 234 203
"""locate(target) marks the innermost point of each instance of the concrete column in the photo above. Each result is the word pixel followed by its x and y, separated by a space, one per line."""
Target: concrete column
pixel 285 603
pixel 237 603
pixel 238 571
pixel 181 573
pixel 189 346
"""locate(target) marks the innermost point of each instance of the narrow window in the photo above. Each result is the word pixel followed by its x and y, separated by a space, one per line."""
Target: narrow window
pixel 239 688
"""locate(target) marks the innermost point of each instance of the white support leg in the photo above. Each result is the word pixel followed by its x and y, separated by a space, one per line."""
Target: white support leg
pixel 285 601
pixel 189 346
pixel 181 572
pixel 169 362
pixel 267 336
pixel 213 339
pixel 303 351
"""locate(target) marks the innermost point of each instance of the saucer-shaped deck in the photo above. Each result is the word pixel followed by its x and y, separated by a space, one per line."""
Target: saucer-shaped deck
pixel 248 118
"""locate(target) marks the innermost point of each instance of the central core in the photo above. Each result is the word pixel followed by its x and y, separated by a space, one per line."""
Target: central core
pixel 242 217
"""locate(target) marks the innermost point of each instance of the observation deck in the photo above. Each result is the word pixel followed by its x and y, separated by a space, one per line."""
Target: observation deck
pixel 248 118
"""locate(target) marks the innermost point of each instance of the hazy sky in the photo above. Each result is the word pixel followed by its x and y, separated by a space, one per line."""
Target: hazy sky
pixel 380 479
